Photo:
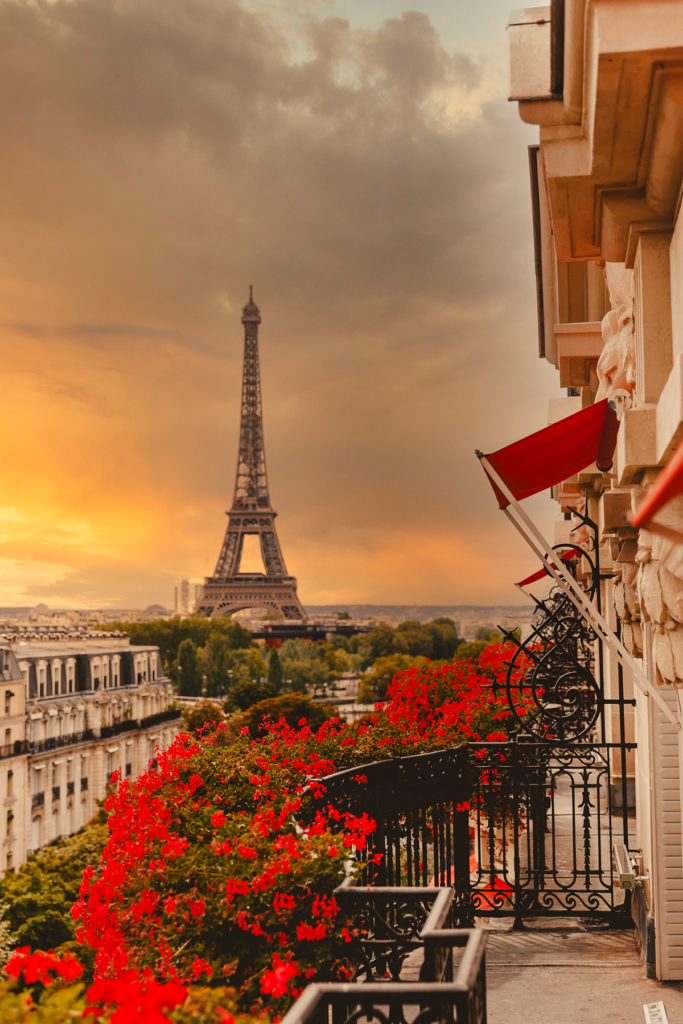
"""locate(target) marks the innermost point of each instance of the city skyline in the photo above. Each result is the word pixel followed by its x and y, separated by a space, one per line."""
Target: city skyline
pixel 372 209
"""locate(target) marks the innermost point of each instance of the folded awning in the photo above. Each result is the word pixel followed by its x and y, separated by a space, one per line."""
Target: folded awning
pixel 544 572
pixel 557 452
pixel 668 485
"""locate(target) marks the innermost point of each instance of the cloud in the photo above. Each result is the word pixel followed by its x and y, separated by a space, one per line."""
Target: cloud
pixel 159 156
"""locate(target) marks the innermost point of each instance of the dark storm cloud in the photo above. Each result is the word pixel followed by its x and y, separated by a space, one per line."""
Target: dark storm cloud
pixel 159 155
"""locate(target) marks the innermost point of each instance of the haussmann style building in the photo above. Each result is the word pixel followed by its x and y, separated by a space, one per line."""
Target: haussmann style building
pixel 74 709
pixel 603 80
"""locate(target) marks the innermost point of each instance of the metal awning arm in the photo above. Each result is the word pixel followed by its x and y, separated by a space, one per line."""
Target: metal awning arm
pixel 544 551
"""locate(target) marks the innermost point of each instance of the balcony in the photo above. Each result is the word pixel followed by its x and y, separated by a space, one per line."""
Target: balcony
pixel 126 725
pixel 70 786
pixel 14 749
pixel 170 715
pixel 84 785
pixel 57 742
pixel 55 793
pixel 38 800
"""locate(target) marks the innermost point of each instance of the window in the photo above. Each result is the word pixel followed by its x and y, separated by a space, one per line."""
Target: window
pixel 37 781
pixel 56 676
pixel 129 769
pixel 6 660
pixel 70 670
pixel 84 784
pixel 10 819
pixel 10 863
pixel 35 833
pixel 105 672
pixel 10 783
pixel 8 702
pixel 110 767
pixel 41 680
pixel 8 739
pixel 152 667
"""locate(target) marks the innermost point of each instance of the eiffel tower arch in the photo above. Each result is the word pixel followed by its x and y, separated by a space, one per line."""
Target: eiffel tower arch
pixel 251 514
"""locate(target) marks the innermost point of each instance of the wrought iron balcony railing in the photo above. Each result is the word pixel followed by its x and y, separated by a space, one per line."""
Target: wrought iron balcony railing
pixel 57 742
pixel 392 921
pixel 15 749
pixel 170 715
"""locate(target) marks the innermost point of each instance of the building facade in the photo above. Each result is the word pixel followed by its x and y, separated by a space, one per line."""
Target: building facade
pixel 603 80
pixel 75 709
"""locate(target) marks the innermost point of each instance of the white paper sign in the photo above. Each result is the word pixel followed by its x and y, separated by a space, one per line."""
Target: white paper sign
pixel 655 1013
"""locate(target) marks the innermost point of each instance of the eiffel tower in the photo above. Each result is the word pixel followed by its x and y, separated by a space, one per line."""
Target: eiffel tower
pixel 230 590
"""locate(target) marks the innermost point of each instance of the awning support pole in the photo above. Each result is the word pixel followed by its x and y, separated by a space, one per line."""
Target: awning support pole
pixel 566 581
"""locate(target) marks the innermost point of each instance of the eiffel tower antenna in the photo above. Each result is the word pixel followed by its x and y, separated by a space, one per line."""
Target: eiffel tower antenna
pixel 251 514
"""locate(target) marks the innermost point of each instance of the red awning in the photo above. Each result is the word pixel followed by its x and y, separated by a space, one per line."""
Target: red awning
pixel 557 452
pixel 544 572
pixel 668 485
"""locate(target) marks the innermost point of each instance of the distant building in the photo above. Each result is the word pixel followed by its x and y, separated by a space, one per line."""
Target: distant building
pixel 182 598
pixel 73 711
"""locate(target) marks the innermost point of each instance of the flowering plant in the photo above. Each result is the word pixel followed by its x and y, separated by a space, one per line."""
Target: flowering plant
pixel 212 871
pixel 222 860
pixel 41 990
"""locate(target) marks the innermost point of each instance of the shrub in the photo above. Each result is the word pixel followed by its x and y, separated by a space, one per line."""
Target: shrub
pixel 197 716
pixel 294 708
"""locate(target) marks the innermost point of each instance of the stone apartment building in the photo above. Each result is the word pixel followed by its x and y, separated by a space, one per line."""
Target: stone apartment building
pixel 603 80
pixel 75 708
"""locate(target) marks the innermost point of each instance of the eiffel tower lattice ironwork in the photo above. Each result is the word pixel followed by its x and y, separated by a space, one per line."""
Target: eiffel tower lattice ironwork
pixel 230 590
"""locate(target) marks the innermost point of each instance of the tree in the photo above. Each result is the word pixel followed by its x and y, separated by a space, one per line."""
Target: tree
pixel 488 634
pixel 276 673
pixel 445 638
pixel 168 634
pixel 217 665
pixel 471 652
pixel 246 693
pixel 40 895
pixel 379 642
pixel 189 670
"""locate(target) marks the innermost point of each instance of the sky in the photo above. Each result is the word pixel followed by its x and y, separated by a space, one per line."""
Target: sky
pixel 360 165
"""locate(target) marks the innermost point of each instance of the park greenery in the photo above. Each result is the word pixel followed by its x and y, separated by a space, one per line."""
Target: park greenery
pixel 216 658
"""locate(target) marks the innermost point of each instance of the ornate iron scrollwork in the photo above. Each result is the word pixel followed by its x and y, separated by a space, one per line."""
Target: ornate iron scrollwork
pixel 558 698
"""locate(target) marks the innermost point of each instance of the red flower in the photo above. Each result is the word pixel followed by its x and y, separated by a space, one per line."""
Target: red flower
pixel 276 982
pixel 218 819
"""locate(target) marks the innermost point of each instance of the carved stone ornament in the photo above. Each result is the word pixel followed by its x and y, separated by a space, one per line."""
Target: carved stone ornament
pixel 659 592
pixel 616 367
